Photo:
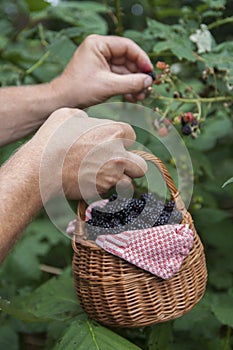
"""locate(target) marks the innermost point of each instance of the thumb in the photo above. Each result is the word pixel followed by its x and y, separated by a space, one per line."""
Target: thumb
pixel 129 83
pixel 135 165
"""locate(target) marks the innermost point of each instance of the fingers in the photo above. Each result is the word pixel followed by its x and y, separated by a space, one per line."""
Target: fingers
pixel 135 166
pixel 128 83
pixel 127 134
pixel 117 47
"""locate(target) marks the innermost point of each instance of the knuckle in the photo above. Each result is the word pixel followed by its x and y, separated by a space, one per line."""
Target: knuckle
pixel 135 86
pixel 90 38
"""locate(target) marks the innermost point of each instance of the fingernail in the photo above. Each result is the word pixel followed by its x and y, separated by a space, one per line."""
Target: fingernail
pixel 147 82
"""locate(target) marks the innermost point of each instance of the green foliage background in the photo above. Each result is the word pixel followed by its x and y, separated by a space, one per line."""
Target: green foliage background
pixel 39 310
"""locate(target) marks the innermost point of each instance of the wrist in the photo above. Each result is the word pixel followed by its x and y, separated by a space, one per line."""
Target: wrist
pixel 63 92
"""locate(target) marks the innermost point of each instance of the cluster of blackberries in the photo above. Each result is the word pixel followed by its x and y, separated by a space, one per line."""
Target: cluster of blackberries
pixel 189 124
pixel 124 214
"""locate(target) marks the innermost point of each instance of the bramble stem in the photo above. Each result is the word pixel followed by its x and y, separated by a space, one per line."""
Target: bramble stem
pixel 220 22
pixel 194 100
pixel 119 27
pixel 38 63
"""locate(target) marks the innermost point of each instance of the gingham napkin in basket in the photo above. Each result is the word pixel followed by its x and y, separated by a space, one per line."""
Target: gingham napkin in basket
pixel 159 250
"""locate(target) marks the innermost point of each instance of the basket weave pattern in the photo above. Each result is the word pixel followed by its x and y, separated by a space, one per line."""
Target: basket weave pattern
pixel 117 293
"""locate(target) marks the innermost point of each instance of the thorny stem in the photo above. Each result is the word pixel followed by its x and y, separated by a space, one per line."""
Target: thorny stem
pixel 119 27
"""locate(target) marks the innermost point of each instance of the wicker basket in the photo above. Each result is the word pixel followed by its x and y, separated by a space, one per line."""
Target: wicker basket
pixel 119 294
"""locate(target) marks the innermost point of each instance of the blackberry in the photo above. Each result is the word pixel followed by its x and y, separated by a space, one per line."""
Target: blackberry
pixel 176 217
pixel 121 214
pixel 151 74
pixel 186 130
pixel 113 197
pixel 163 219
pixel 169 206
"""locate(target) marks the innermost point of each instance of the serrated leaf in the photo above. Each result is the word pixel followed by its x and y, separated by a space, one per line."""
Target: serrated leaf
pixel 179 46
pixel 221 57
pixel 53 300
pixel 222 307
pixel 158 29
pixel 88 335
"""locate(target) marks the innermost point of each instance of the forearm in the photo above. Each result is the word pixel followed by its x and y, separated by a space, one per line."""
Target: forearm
pixel 23 109
pixel 20 196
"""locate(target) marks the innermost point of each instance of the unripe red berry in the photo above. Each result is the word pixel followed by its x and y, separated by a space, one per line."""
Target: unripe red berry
pixel 162 131
pixel 168 122
pixel 161 65
pixel 188 117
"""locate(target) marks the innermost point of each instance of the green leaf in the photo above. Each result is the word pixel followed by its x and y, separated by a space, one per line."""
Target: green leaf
pixel 210 215
pixel 61 50
pixel 53 300
pixel 179 46
pixel 201 163
pixel 222 307
pixel 219 278
pixel 221 57
pixel 83 15
pixel 158 29
pixel 8 337
pixel 229 181
pixel 215 4
pixel 212 131
pixel 161 337
pixel 16 311
pixel 37 5
pixel 196 320
pixel 83 335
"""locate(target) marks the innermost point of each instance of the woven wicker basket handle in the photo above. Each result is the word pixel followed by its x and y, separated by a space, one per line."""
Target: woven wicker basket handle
pixel 80 230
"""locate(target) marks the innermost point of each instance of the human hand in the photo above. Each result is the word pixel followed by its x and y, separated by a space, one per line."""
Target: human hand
pixel 101 67
pixel 86 156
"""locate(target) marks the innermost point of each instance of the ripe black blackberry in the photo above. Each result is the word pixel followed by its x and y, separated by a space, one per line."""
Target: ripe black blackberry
pixel 124 214
pixel 186 130
pixel 151 74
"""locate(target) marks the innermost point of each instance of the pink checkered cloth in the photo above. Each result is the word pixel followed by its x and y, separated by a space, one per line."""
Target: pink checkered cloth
pixel 159 250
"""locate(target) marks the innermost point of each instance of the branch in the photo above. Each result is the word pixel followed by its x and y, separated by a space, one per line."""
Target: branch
pixel 119 27
pixel 194 100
